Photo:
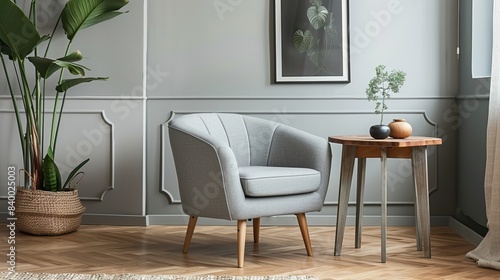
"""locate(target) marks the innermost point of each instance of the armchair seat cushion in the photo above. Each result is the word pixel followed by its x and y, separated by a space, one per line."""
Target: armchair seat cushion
pixel 264 181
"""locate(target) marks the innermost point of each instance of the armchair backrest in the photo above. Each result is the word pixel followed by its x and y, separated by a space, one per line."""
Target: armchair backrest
pixel 249 138
pixel 209 148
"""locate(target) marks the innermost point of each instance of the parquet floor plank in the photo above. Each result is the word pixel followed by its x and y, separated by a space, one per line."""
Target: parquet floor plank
pixel 158 250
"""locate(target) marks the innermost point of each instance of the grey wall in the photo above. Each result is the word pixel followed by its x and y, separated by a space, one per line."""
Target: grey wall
pixel 104 121
pixel 223 62
pixel 216 56
pixel 470 122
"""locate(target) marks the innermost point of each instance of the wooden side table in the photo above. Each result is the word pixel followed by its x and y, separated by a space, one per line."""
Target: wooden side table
pixel 363 147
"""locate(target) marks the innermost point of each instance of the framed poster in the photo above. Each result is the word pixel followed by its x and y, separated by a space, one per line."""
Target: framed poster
pixel 312 41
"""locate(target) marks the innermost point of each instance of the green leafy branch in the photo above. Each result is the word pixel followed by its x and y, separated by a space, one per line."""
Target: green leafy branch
pixel 381 86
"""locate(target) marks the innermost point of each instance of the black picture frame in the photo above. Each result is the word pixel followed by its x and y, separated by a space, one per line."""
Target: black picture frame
pixel 311 41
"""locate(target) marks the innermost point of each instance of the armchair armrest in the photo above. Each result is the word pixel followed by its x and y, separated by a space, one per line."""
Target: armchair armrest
pixel 207 172
pixel 295 148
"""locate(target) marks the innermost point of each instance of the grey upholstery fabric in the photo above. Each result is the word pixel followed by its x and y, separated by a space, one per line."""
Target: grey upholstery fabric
pixel 211 150
pixel 260 181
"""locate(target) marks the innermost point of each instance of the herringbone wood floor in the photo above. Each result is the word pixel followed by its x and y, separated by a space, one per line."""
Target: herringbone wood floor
pixel 158 250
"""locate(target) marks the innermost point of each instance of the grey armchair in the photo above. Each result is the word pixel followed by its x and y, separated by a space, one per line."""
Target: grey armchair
pixel 237 167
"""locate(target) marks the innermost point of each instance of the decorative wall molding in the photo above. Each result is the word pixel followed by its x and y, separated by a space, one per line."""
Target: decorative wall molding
pixel 100 97
pixel 102 115
pixel 346 97
pixel 163 137
pixel 125 97
pixel 476 97
pixel 113 159
pixel 294 98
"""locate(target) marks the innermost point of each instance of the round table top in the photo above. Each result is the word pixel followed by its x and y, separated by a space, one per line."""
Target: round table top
pixel 366 140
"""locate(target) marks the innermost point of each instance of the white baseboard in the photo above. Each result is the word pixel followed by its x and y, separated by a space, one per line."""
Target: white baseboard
pixel 291 220
pixel 286 220
pixel 114 220
pixel 467 233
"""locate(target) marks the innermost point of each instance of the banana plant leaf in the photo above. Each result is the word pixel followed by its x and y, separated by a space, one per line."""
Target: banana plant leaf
pixel 80 14
pixel 18 34
pixel 72 57
pixel 6 50
pixel 69 83
pixel 47 66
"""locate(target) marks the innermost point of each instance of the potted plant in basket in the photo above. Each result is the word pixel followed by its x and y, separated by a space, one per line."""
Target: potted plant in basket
pixel 379 89
pixel 46 204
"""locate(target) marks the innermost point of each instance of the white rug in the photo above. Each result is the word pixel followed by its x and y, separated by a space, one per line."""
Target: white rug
pixel 72 276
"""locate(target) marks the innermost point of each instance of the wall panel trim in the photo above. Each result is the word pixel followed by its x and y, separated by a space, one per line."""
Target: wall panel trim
pixel 112 148
pixel 100 97
pixel 163 135
pixel 293 98
pixel 477 97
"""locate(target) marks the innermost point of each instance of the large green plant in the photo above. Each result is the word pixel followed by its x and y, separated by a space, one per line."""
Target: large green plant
pixel 19 41
pixel 318 41
pixel 381 86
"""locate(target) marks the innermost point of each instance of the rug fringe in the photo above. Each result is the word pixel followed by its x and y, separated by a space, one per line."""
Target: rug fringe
pixel 73 276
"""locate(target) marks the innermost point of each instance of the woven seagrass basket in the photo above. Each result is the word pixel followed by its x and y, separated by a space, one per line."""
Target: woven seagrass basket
pixel 48 213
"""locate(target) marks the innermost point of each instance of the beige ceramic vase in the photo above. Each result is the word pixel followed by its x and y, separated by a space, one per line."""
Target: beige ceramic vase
pixel 400 129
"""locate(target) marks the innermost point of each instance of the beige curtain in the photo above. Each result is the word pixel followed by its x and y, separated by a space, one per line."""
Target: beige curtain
pixel 487 254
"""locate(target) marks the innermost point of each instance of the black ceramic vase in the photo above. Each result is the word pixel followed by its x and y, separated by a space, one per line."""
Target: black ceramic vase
pixel 380 131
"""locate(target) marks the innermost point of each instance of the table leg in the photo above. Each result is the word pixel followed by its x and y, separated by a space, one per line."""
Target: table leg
pixel 419 162
pixel 383 163
pixel 418 228
pixel 346 170
pixel 359 200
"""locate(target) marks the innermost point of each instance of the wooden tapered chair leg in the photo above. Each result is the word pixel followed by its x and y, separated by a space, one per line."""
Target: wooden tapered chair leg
pixel 301 218
pixel 189 232
pixel 242 231
pixel 256 230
